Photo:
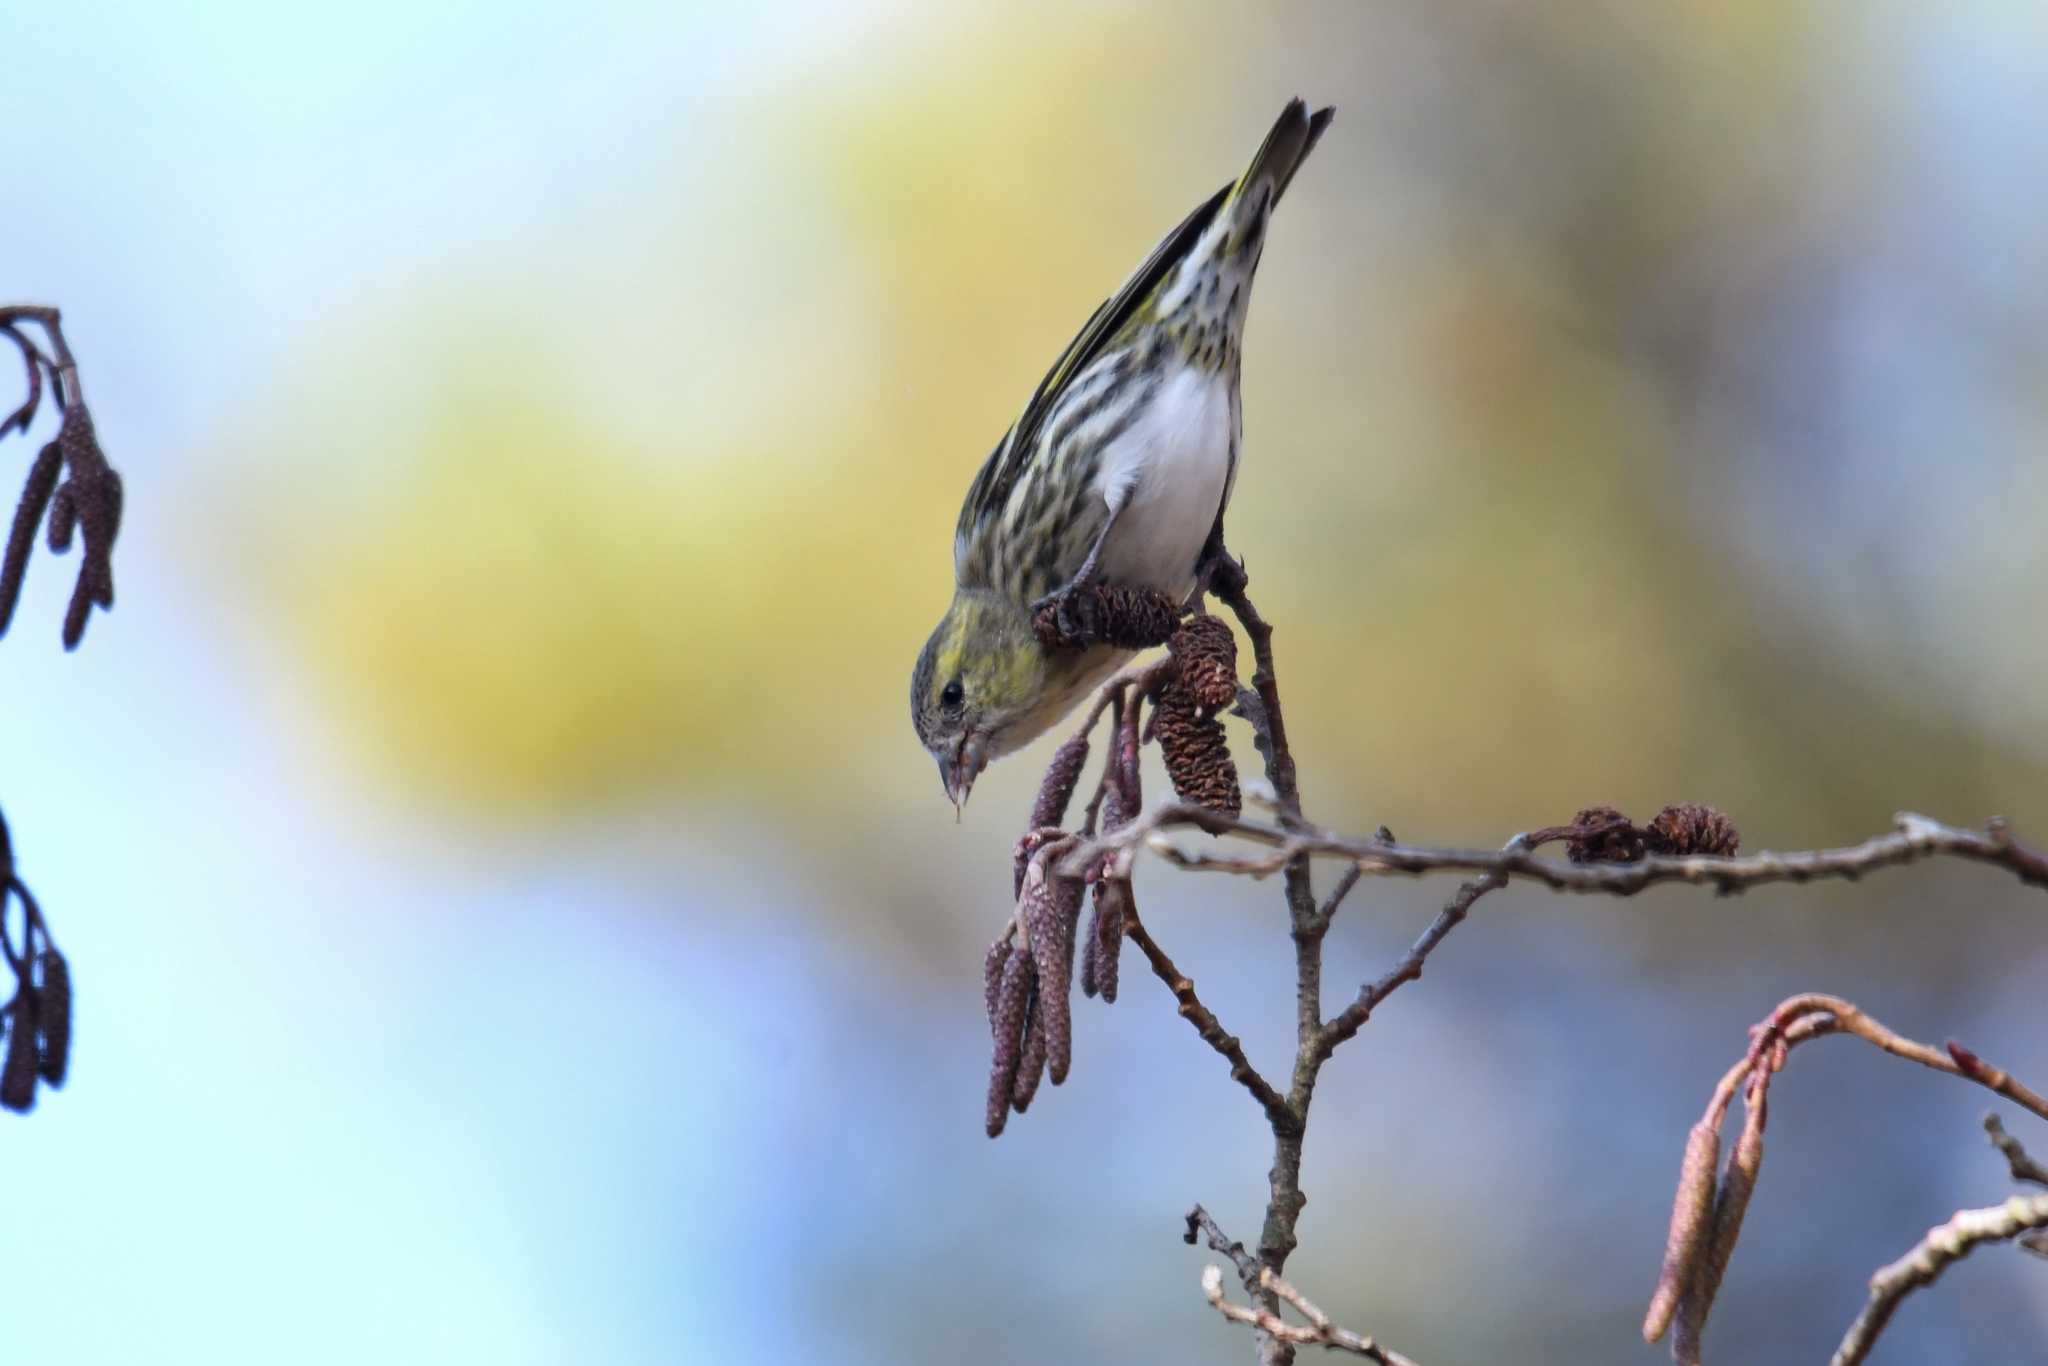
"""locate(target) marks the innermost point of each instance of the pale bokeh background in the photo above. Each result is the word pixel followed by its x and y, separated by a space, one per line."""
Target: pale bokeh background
pixel 513 921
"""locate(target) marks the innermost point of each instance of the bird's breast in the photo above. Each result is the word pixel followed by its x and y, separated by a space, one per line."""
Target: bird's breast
pixel 1168 473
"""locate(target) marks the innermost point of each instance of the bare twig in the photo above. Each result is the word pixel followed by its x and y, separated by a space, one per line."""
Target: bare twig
pixel 1317 1332
pixel 1335 899
pixel 1202 1223
pixel 1945 1243
pixel 2024 1168
pixel 1353 1017
pixel 1957 1061
pixel 1208 1026
pixel 1261 1281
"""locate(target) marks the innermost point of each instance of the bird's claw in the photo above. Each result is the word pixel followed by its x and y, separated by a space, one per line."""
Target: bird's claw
pixel 1219 573
pixel 1071 617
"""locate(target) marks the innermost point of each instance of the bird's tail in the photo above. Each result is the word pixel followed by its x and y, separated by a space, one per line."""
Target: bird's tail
pixel 1272 169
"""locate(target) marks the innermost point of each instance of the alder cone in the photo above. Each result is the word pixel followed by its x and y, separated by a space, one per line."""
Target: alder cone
pixel 1610 837
pixel 1692 828
pixel 1205 652
pixel 1196 753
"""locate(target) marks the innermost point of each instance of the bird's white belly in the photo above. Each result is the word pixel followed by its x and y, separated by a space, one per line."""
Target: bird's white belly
pixel 1167 474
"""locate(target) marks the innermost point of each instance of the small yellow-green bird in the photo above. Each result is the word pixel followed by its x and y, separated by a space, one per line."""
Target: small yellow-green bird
pixel 1117 473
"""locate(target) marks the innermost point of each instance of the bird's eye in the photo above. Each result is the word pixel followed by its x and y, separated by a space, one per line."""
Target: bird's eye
pixel 952 696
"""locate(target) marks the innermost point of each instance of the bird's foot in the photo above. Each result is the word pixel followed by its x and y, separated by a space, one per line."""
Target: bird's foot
pixel 1069 618
pixel 1218 574
pixel 1081 615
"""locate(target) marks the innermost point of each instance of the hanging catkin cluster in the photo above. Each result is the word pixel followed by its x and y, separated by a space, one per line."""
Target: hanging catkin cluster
pixel 69 480
pixel 70 494
pixel 1028 975
pixel 1027 989
pixel 38 1018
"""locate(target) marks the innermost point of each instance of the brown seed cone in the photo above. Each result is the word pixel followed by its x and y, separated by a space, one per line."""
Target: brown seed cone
pixel 18 1076
pixel 1051 907
pixel 1692 828
pixel 53 1016
pixel 1196 753
pixel 1060 777
pixel 1006 1024
pixel 1205 652
pixel 1031 1067
pixel 1102 614
pixel 1608 837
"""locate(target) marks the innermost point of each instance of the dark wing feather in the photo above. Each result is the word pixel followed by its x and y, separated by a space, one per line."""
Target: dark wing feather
pixel 998 476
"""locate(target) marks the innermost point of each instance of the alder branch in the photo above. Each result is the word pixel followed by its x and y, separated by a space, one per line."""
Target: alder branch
pixel 1915 837
pixel 1944 1245
pixel 1308 925
pixel 1955 1060
pixel 1607 853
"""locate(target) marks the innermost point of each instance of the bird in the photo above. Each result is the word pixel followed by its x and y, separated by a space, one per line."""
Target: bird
pixel 1115 475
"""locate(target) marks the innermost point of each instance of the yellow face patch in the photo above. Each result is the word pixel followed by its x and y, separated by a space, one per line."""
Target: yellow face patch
pixel 1000 668
pixel 947 666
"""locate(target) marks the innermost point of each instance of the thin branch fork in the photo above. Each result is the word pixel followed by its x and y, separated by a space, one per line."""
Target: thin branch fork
pixel 2024 1168
pixel 1278 1112
pixel 1352 1018
pixel 1272 1289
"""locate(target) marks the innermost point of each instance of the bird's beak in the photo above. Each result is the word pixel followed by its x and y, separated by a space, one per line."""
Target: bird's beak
pixel 958 773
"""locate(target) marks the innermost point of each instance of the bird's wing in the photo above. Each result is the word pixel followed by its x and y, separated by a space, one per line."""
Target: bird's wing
pixel 998 476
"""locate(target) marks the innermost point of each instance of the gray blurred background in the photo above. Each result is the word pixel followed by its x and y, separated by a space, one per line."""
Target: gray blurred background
pixel 512 919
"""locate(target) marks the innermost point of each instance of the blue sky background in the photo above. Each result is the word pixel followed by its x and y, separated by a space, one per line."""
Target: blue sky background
pixel 511 919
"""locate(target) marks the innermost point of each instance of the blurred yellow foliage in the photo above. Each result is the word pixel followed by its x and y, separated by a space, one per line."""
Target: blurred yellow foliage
pixel 1455 501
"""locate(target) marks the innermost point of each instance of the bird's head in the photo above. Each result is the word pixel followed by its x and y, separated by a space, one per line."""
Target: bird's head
pixel 983 686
